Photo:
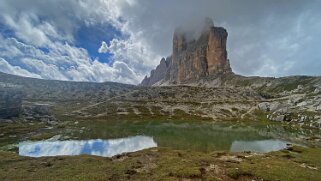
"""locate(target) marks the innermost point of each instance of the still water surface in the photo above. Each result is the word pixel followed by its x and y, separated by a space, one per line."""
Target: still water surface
pixel 98 147
pixel 111 138
pixel 109 148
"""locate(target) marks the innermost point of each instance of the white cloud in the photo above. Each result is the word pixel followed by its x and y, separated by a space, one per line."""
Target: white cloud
pixel 269 39
pixel 103 48
pixel 7 68
pixel 63 62
pixel 279 37
pixel 43 43
pixel 134 52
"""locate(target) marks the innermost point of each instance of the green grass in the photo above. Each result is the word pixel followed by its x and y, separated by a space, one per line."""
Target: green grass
pixel 166 164
pixel 286 166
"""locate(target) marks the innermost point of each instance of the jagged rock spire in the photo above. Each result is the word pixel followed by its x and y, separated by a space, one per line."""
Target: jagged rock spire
pixel 194 59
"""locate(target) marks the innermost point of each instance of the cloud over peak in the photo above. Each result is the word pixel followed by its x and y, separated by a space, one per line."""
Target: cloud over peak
pixel 38 38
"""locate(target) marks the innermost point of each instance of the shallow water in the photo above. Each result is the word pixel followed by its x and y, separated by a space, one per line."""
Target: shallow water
pixel 112 147
pixel 261 146
pixel 108 139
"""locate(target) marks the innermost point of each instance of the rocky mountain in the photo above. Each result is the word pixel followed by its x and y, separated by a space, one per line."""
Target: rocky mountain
pixel 40 89
pixel 193 58
pixel 204 86
pixel 159 73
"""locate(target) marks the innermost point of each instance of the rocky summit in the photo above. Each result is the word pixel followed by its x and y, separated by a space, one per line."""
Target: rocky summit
pixel 194 57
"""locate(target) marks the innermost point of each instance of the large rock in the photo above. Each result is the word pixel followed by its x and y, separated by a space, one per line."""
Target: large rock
pixel 10 102
pixel 193 58
pixel 158 74
pixel 42 109
pixel 280 118
pixel 272 106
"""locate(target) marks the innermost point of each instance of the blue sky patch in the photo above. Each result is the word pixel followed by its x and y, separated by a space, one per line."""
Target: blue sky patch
pixel 90 38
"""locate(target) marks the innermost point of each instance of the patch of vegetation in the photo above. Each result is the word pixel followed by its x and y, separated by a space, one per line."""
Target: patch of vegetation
pixel 295 165
pixel 236 173
pixel 266 95
pixel 260 115
pixel 165 164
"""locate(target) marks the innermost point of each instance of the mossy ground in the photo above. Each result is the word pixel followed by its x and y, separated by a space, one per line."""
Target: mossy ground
pixel 166 164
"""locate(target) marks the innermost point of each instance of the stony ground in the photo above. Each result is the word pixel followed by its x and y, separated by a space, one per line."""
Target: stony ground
pixel 58 108
pixel 298 106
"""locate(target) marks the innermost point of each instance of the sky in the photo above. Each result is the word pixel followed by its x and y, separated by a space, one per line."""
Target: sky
pixel 123 40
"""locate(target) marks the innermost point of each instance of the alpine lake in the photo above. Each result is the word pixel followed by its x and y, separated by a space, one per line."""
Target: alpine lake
pixel 110 138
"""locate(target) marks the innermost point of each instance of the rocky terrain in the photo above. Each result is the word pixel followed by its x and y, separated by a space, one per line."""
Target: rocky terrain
pixel 39 89
pixel 203 67
pixel 195 83
pixel 196 80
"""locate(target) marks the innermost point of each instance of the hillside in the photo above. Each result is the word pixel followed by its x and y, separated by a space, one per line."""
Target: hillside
pixel 40 89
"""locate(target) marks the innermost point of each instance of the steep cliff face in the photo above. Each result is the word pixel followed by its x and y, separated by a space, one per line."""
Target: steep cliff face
pixel 194 58
pixel 158 74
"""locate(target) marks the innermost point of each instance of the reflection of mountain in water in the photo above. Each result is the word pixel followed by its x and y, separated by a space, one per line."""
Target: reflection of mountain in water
pixel 106 148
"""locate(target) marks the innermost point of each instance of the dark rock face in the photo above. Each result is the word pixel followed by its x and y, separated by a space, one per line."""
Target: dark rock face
pixel 159 73
pixel 194 58
pixel 10 103
pixel 39 112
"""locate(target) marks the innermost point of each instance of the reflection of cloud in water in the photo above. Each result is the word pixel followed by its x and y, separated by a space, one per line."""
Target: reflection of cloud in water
pixel 258 146
pixel 106 148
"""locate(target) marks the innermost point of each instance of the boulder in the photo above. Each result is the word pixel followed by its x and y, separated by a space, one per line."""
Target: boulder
pixel 302 119
pixel 42 109
pixel 280 118
pixel 272 106
pixel 264 106
pixel 10 102
pixel 301 104
pixel 296 99
pixel 300 87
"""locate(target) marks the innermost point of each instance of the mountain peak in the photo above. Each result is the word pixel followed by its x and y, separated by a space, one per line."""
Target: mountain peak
pixel 193 59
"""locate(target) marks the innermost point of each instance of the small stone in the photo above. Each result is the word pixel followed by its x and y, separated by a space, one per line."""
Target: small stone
pixel 264 106
pixel 55 138
pixel 280 118
pixel 300 87
pixel 52 122
pixel 302 119
pixel 301 104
